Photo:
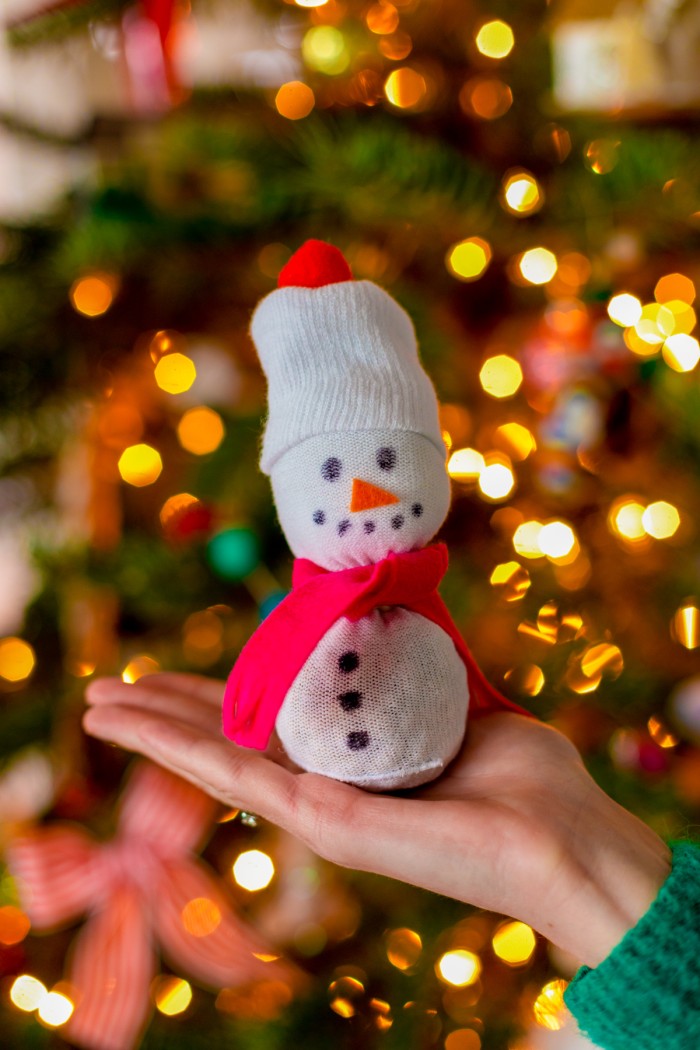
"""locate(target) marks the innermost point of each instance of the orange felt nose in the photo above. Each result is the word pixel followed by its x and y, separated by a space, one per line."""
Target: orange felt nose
pixel 366 496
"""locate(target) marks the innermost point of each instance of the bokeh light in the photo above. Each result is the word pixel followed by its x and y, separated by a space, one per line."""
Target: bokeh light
pixel 556 539
pixel 458 967
pixel 511 579
pixel 93 294
pixel 175 505
pixel 138 667
pixel 496 481
pixel 234 553
pixel 675 286
pixel 201 917
pixel 295 100
pixel 382 18
pixel 140 465
pixel 253 870
pixel 324 49
pixel 463 1039
pixel 681 352
pixel 518 441
pixel 526 679
pixel 14 925
pixel 624 309
pixel 526 539
pixel 661 520
pixel 405 88
pixel 522 194
pixel 485 97
pixel 175 373
pixel 514 943
pixel 538 265
pixel 27 993
pixel 55 1009
pixel 656 323
pixel 549 1009
pixel 685 625
pixel 17 659
pixel 468 259
pixel 201 430
pixel 495 39
pixel 602 155
pixel 625 519
pixel 501 376
pixel 465 464
pixel 403 948
pixel 172 995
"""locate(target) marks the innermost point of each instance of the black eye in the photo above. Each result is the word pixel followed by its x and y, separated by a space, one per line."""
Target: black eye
pixel 330 471
pixel 386 458
pixel 319 517
pixel 417 510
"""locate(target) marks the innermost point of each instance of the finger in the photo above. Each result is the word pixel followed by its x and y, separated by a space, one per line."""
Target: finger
pixel 114 692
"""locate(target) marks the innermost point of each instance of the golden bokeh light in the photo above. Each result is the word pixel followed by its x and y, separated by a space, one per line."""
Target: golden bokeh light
pixel 403 948
pixel 522 194
pixel 501 376
pixel 396 47
pixel 17 659
pixel 201 917
pixel 458 967
pixel 681 352
pixel 511 580
pixel 656 323
pixel 201 430
pixel 310 3
pixel 602 155
pixel 602 658
pixel 405 88
pixel 495 39
pixel 549 1009
pixel 538 265
pixel 55 1009
pixel 203 634
pixel 253 870
pixel 174 505
pixel 517 439
pixel 685 625
pixel 324 49
pixel 140 465
pixel 295 100
pixel 138 667
pixel 661 734
pixel 496 481
pixel 463 1039
pixel 382 18
pixel 14 925
pixel 527 679
pixel 661 520
pixel 526 539
pixel 171 995
pixel 468 260
pixel 514 943
pixel 93 294
pixel 556 539
pixel 625 519
pixel 486 97
pixel 344 994
pixel 684 316
pixel 465 464
pixel 27 993
pixel 637 345
pixel 175 373
pixel 675 286
pixel 624 309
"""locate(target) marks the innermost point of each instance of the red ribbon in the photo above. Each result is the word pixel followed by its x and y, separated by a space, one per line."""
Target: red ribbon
pixel 276 653
pixel 136 889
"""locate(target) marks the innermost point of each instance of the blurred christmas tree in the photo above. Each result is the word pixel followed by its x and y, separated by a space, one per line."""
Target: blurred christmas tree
pixel 542 230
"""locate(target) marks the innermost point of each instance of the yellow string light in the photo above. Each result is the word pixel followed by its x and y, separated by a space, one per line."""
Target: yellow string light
pixel 495 39
pixel 458 967
pixel 253 870
pixel 468 260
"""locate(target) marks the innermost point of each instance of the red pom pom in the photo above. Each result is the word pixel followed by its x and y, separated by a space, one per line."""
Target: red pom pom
pixel 313 265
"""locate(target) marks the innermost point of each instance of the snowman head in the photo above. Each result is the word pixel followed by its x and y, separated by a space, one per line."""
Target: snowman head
pixel 351 498
pixel 352 442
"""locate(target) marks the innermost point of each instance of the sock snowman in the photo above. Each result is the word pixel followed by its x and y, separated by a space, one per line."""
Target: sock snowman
pixel 360 670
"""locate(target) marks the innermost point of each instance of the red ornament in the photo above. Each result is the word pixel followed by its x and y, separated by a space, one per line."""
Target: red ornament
pixel 315 264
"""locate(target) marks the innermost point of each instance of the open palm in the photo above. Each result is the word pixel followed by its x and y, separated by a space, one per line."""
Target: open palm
pixel 515 824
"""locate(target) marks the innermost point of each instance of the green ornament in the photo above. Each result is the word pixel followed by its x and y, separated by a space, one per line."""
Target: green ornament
pixel 234 553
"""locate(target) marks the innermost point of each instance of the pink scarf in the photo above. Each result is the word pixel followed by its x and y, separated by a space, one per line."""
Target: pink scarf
pixel 276 653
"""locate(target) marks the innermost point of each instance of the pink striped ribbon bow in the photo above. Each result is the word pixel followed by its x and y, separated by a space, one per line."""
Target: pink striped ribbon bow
pixel 144 887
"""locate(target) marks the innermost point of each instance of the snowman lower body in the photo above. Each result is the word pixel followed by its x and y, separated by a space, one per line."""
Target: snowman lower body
pixel 381 702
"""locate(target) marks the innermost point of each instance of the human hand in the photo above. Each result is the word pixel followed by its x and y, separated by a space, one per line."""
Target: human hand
pixel 515 825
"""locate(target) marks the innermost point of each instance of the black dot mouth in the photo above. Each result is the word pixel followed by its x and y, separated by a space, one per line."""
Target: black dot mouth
pixel 397 521
pixel 350 701
pixel 369 527
pixel 358 739
pixel 318 517
pixel 343 526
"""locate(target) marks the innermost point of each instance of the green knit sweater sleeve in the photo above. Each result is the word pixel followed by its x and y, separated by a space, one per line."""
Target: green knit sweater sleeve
pixel 646 993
